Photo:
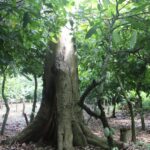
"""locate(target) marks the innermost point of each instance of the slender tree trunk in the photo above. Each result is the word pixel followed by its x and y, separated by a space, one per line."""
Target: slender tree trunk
pixel 24 113
pixel 130 110
pixel 141 109
pixel 114 111
pixel 114 106
pixel 6 104
pixel 132 121
pixel 105 124
pixel 35 98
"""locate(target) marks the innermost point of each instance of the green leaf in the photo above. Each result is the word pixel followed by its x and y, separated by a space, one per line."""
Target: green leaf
pixel 49 5
pixel 14 3
pixel 133 39
pixel 106 2
pixel 136 1
pixel 106 132
pixel 121 1
pixel 139 8
pixel 116 37
pixel 65 2
pixel 91 32
pixel 26 19
pixel 112 131
pixel 99 7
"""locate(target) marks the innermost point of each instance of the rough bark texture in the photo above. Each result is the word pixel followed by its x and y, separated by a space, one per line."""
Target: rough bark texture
pixel 59 120
pixel 65 70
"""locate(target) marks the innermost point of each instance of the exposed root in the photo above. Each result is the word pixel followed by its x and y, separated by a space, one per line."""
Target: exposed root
pixel 92 139
pixel 79 138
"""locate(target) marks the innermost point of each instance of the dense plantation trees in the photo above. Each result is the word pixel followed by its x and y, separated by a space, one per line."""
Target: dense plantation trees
pixel 6 68
pixel 115 33
pixel 110 38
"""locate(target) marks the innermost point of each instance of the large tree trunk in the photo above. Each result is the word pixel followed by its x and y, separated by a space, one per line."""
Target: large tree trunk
pixel 59 121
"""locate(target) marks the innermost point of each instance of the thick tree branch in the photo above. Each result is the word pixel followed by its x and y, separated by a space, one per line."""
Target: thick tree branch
pixel 90 88
pixel 130 51
pixel 89 111
pixel 86 93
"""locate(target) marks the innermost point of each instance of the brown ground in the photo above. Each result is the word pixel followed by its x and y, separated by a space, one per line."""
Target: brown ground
pixel 16 123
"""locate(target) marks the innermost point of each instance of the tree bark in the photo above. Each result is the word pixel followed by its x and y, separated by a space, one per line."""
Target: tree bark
pixel 35 98
pixel 141 109
pixel 132 121
pixel 24 113
pixel 131 111
pixel 114 99
pixel 105 124
pixel 59 121
pixel 5 102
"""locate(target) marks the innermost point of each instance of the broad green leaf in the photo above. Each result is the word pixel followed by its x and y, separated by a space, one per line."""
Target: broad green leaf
pixel 106 2
pixel 133 39
pixel 91 32
pixel 139 8
pixel 116 37
pixel 99 7
pixel 14 3
pixel 121 1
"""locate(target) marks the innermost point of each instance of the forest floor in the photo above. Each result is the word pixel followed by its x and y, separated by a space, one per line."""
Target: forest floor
pixel 16 122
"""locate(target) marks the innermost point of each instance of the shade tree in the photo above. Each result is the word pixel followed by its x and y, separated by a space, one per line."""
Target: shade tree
pixel 110 37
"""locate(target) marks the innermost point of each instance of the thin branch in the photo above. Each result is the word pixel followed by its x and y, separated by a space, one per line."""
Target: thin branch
pixel 89 111
pixel 130 51
pixel 130 16
pixel 128 2
pixel 120 26
pixel 117 8
pixel 90 88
